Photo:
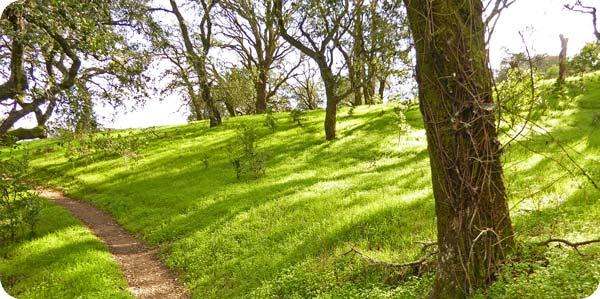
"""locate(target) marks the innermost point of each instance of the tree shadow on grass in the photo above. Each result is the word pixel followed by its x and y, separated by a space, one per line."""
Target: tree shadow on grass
pixel 63 260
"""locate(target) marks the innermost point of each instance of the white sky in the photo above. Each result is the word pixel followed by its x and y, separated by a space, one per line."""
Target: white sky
pixel 541 21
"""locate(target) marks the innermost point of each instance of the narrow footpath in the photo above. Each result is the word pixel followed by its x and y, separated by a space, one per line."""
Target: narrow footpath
pixel 146 276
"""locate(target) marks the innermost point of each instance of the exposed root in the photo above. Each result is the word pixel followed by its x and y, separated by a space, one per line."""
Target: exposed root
pixel 574 245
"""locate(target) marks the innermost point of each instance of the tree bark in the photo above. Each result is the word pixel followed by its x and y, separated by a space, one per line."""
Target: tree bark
pixel 17 81
pixel 261 91
pixel 562 60
pixel 230 109
pixel 381 91
pixel 331 93
pixel 455 93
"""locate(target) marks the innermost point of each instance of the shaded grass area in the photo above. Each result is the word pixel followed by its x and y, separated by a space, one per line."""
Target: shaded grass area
pixel 63 260
pixel 284 235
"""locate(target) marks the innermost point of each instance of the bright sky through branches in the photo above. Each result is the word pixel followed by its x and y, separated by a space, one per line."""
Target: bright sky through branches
pixel 4 4
pixel 541 22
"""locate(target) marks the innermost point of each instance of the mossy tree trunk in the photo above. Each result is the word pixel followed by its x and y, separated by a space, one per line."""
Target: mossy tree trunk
pixel 331 93
pixel 455 93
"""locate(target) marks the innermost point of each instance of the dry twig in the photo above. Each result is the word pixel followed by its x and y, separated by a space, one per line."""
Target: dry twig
pixel 574 245
pixel 417 266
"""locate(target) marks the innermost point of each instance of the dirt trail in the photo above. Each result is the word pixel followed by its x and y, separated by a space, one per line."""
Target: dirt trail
pixel 146 275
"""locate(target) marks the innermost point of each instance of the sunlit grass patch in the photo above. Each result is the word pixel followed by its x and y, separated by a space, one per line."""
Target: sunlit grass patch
pixel 63 260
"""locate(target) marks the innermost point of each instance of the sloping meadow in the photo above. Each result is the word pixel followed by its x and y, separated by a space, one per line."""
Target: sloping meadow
pixel 285 233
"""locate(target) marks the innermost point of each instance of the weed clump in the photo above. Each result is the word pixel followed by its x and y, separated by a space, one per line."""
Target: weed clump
pixel 245 157
pixel 351 111
pixel 270 121
pixel 596 120
pixel 400 111
pixel 297 116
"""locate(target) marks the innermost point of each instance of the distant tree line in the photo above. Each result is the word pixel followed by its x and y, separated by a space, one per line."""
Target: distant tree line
pixel 547 66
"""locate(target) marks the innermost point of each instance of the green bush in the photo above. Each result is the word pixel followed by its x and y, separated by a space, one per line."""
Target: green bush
pixel 245 157
pixel 596 119
pixel 297 116
pixel 351 111
pixel 270 121
pixel 587 60
pixel 19 206
pixel 88 147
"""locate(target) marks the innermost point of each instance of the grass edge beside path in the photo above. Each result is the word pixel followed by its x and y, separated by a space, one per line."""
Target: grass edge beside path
pixel 63 260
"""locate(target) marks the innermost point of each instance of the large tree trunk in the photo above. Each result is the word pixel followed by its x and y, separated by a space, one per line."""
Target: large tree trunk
pixel 195 101
pixel 230 109
pixel 358 55
pixel 214 115
pixel 562 60
pixel 261 92
pixel 381 91
pixel 473 222
pixel 368 88
pixel 17 81
pixel 332 101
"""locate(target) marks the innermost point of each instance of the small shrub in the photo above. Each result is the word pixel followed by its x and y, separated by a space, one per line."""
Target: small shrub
pixel 596 120
pixel 297 116
pixel 245 158
pixel 8 140
pixel 270 121
pixel 351 111
pixel 88 147
pixel 19 206
pixel 400 111
pixel 205 160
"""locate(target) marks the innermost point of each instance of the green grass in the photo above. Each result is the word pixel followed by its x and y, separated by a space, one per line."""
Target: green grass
pixel 63 260
pixel 284 235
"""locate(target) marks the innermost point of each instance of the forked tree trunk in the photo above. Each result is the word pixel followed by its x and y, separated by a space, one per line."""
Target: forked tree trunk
pixel 562 60
pixel 455 93
pixel 198 60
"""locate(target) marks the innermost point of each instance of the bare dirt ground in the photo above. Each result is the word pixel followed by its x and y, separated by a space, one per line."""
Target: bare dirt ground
pixel 146 276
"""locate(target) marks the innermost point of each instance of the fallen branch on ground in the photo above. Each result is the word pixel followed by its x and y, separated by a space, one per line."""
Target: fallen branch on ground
pixel 574 245
pixel 417 266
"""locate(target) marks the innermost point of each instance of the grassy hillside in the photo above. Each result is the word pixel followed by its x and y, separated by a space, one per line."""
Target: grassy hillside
pixel 63 260
pixel 285 234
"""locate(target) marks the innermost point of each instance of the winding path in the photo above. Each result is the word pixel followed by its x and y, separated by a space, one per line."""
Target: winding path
pixel 146 276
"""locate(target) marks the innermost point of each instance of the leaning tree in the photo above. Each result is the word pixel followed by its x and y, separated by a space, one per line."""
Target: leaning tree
pixel 66 56
pixel 455 94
